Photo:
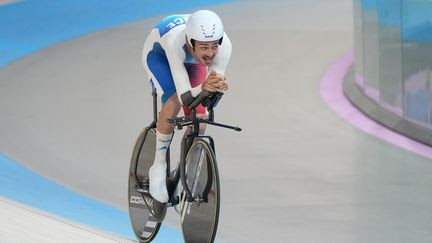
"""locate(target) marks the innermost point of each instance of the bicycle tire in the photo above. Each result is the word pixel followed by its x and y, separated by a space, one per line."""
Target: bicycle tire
pixel 200 221
pixel 144 224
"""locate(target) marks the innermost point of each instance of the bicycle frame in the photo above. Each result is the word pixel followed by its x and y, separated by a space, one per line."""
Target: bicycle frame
pixel 193 123
pixel 196 152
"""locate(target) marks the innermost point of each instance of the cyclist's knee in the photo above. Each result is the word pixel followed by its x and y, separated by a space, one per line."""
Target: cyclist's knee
pixel 172 106
pixel 174 98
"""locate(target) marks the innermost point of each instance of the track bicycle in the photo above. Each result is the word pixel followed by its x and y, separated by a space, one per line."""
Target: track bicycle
pixel 193 186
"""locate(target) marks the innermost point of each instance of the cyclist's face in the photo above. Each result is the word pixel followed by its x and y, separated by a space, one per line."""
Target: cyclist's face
pixel 205 51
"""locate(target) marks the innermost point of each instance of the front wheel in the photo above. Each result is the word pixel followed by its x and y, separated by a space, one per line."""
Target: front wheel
pixel 200 217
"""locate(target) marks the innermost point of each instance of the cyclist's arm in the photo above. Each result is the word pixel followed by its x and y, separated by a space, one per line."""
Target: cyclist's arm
pixel 222 58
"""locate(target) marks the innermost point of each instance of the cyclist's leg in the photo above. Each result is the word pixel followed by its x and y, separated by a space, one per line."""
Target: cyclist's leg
pixel 164 133
pixel 169 110
pixel 157 67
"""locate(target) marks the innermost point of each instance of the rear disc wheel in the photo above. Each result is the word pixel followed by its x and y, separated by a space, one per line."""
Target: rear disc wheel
pixel 141 212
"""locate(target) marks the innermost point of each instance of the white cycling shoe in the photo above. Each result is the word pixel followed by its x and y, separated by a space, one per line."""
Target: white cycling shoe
pixel 158 188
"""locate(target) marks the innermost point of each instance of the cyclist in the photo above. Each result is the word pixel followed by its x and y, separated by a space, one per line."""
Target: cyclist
pixel 183 55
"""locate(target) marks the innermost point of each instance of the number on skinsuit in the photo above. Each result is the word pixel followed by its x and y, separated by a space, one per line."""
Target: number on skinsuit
pixel 171 22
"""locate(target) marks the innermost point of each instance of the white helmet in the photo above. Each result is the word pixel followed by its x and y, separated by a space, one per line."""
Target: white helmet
pixel 204 25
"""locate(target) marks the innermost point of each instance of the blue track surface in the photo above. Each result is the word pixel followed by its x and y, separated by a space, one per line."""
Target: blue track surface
pixel 29 26
pixel 22 185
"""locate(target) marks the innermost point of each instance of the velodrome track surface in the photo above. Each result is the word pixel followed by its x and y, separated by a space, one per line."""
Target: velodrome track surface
pixel 296 173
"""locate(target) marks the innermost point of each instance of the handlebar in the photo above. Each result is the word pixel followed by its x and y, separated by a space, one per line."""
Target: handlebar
pixel 209 100
pixel 181 122
pixel 204 94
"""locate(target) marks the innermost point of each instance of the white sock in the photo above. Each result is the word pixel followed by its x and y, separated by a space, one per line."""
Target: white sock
pixel 157 172
pixel 163 142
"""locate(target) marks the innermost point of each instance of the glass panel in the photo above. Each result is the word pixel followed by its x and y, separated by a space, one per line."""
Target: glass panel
pixel 358 43
pixel 417 59
pixel 370 49
pixel 393 59
pixel 390 55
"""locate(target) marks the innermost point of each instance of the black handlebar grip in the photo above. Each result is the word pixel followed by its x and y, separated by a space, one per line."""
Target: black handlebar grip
pixel 204 94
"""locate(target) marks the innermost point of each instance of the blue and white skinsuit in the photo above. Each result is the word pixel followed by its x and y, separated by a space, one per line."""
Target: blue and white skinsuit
pixel 172 69
pixel 169 65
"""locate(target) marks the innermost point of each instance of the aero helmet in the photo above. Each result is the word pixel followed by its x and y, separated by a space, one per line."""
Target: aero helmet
pixel 204 25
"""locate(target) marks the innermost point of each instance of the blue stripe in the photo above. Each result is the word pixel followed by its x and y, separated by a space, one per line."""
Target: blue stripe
pixel 22 185
pixel 28 26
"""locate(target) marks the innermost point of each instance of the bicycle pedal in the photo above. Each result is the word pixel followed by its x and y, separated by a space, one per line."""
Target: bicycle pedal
pixel 173 202
pixel 169 204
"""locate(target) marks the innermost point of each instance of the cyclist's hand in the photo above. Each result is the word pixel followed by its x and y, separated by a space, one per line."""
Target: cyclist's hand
pixel 222 85
pixel 215 83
